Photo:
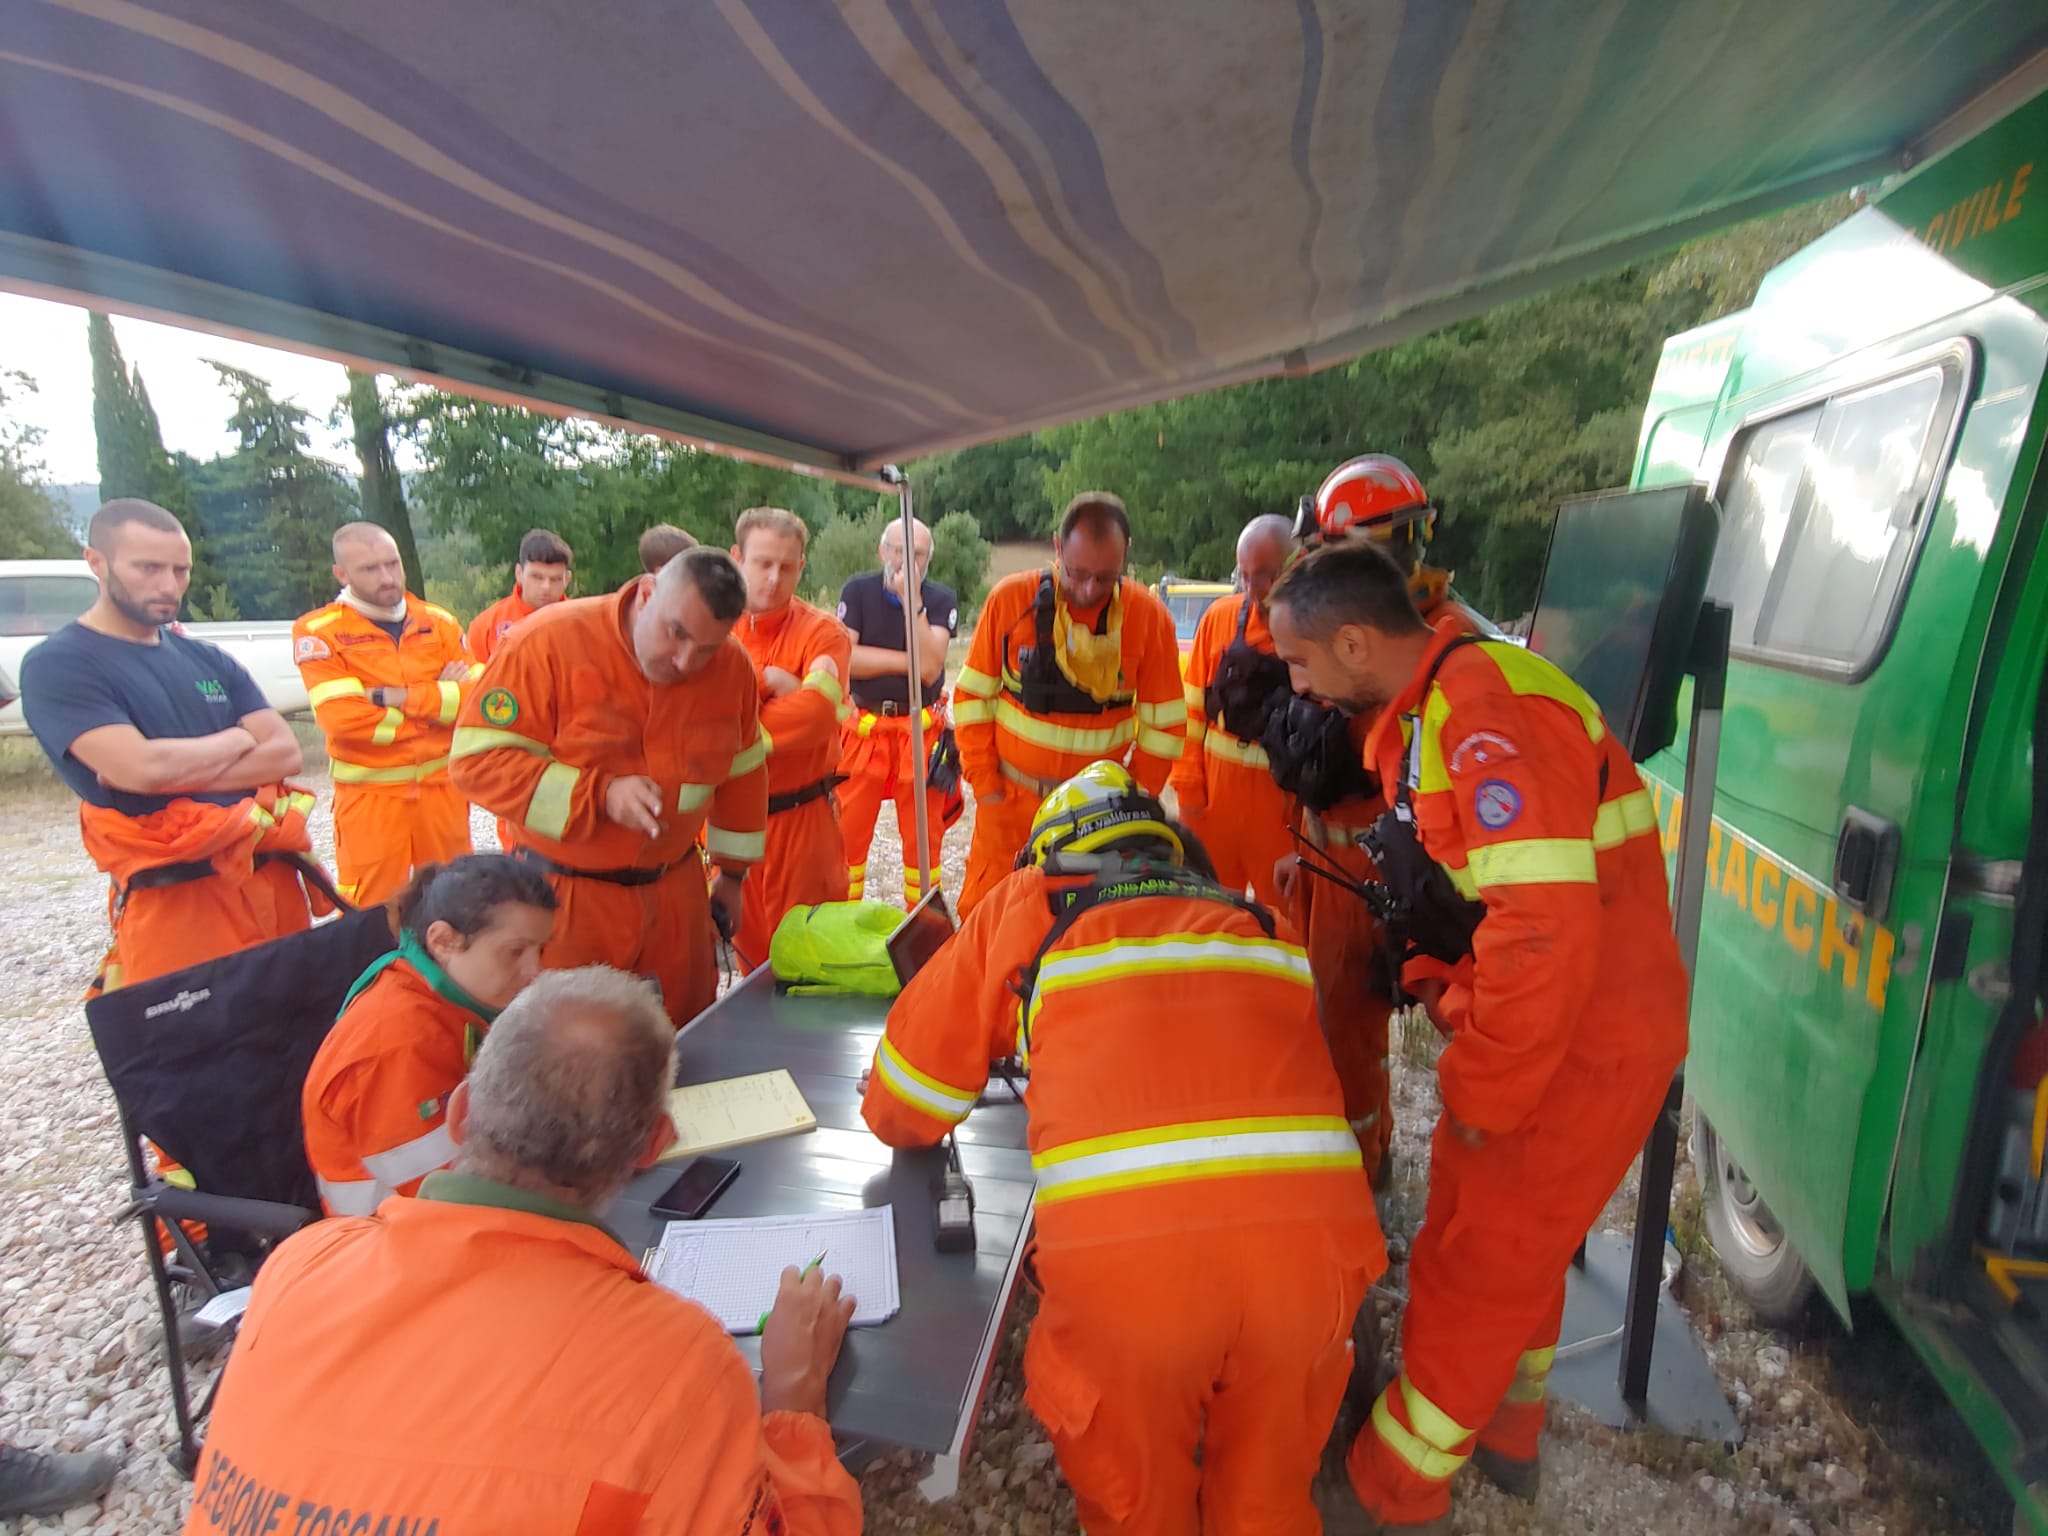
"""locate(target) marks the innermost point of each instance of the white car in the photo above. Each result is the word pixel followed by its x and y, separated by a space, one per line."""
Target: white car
pixel 39 597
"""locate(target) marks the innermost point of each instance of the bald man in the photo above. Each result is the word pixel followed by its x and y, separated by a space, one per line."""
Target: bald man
pixel 386 673
pixel 1223 781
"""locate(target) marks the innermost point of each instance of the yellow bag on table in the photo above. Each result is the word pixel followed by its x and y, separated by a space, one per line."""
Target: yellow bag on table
pixel 836 946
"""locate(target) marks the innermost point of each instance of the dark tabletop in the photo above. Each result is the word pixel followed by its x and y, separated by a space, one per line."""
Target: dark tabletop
pixel 914 1380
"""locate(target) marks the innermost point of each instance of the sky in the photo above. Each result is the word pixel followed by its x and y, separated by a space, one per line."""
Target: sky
pixel 47 342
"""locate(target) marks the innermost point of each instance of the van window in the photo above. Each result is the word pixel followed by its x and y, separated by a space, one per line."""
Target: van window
pixel 1821 513
pixel 1187 609
pixel 42 605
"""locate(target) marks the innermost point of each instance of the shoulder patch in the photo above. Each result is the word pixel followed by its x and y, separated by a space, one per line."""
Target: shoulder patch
pixel 1496 803
pixel 498 706
pixel 311 648
pixel 1483 749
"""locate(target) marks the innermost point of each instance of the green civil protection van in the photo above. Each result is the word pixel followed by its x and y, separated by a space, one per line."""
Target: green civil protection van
pixel 1867 1047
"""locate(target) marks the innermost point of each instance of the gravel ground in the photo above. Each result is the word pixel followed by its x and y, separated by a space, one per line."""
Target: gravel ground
pixel 1840 1437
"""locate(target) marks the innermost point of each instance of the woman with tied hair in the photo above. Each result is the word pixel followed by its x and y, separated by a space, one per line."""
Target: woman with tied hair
pixel 470 934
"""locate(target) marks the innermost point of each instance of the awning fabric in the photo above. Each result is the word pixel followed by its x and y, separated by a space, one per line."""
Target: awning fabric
pixel 855 233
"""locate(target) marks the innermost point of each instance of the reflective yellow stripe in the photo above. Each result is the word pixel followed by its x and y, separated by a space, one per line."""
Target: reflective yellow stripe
pixel 1536 861
pixel 693 796
pixel 1197 698
pixel 1619 820
pixel 547 813
pixel 1160 744
pixel 451 701
pixel 980 684
pixel 965 712
pixel 1532 1376
pixel 1197 729
pixel 921 1091
pixel 1461 877
pixel 749 757
pixel 358 773
pixel 825 683
pixel 1230 749
pixel 743 846
pixel 1063 738
pixel 1167 954
pixel 335 688
pixel 326 619
pixel 1526 673
pixel 472 739
pixel 1209 1149
pixel 442 614
pixel 1168 712
pixel 767 742
pixel 387 728
pixel 1435 1462
pixel 476 670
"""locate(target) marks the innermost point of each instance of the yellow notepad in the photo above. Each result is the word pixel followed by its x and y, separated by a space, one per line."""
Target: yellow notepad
pixel 712 1116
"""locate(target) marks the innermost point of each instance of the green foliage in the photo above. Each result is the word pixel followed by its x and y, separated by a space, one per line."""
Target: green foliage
pixel 846 546
pixel 133 461
pixel 1001 484
pixel 457 576
pixel 960 558
pixel 271 506
pixel 383 493
pixel 30 525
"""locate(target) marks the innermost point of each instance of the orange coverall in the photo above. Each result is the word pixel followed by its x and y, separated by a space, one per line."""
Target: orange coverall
pixel 1566 1025
pixel 375 1100
pixel 806 859
pixel 1344 941
pixel 482 1360
pixel 247 900
pixel 1224 784
pixel 876 759
pixel 1011 758
pixel 394 807
pixel 1204 1232
pixel 564 708
pixel 494 623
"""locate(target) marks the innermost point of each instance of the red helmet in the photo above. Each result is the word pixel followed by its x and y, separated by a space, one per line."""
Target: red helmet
pixel 1377 495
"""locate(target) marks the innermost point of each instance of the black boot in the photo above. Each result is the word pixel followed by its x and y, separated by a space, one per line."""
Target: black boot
pixel 34 1483
pixel 1514 1477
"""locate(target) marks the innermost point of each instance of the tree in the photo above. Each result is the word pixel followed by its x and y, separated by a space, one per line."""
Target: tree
pixel 133 460
pixel 1001 484
pixel 30 525
pixel 960 559
pixel 383 492
pixel 846 546
pixel 274 505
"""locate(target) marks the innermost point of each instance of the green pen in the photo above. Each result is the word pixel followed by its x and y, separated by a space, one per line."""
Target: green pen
pixel 762 1325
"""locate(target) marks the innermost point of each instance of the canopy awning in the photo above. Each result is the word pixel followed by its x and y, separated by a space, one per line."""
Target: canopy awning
pixel 847 234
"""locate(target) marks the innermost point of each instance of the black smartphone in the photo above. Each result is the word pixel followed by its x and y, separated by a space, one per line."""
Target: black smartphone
pixel 701 1183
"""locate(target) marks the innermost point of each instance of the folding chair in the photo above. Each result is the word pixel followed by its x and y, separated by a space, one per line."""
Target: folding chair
pixel 209 1063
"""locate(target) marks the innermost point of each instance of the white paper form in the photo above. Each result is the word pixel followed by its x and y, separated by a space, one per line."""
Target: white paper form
pixel 733 1267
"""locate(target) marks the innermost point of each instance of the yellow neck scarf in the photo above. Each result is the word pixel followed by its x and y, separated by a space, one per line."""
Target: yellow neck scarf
pixel 1092 663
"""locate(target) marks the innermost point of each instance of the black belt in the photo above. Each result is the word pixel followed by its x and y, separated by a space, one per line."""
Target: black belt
pixel 546 865
pixel 184 874
pixel 888 709
pixel 777 804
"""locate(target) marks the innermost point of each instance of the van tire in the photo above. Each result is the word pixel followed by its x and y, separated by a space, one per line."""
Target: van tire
pixel 1754 1252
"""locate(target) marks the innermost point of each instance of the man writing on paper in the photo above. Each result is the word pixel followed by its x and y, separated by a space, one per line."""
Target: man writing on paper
pixel 1205 1233
pixel 489 1357
pixel 876 759
pixel 800 655
pixel 609 731
pixel 1069 666
pixel 180 766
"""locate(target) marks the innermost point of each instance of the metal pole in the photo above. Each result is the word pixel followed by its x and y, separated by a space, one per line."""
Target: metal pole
pixel 913 627
pixel 1709 668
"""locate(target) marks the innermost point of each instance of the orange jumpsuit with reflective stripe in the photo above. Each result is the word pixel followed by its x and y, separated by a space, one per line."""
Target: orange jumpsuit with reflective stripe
pixel 375 1099
pixel 1012 758
pixel 805 862
pixel 1224 784
pixel 1566 1025
pixel 560 712
pixel 876 759
pixel 394 807
pixel 456 1366
pixel 246 900
pixel 1204 1232
pixel 1344 941
pixel 494 623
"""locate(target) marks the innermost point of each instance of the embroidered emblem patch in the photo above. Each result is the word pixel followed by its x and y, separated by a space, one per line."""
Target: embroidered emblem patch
pixel 499 707
pixel 1496 804
pixel 311 648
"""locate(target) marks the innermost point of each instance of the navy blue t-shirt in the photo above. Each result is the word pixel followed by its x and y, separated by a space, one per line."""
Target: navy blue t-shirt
pixel 79 680
pixel 875 615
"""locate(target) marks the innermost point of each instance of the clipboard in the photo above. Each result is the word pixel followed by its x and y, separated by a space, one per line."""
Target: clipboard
pixel 709 1117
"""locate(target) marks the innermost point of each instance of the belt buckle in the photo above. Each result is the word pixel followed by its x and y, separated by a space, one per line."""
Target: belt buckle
pixel 890 709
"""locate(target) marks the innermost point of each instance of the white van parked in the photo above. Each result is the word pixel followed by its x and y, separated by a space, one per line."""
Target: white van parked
pixel 39 597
